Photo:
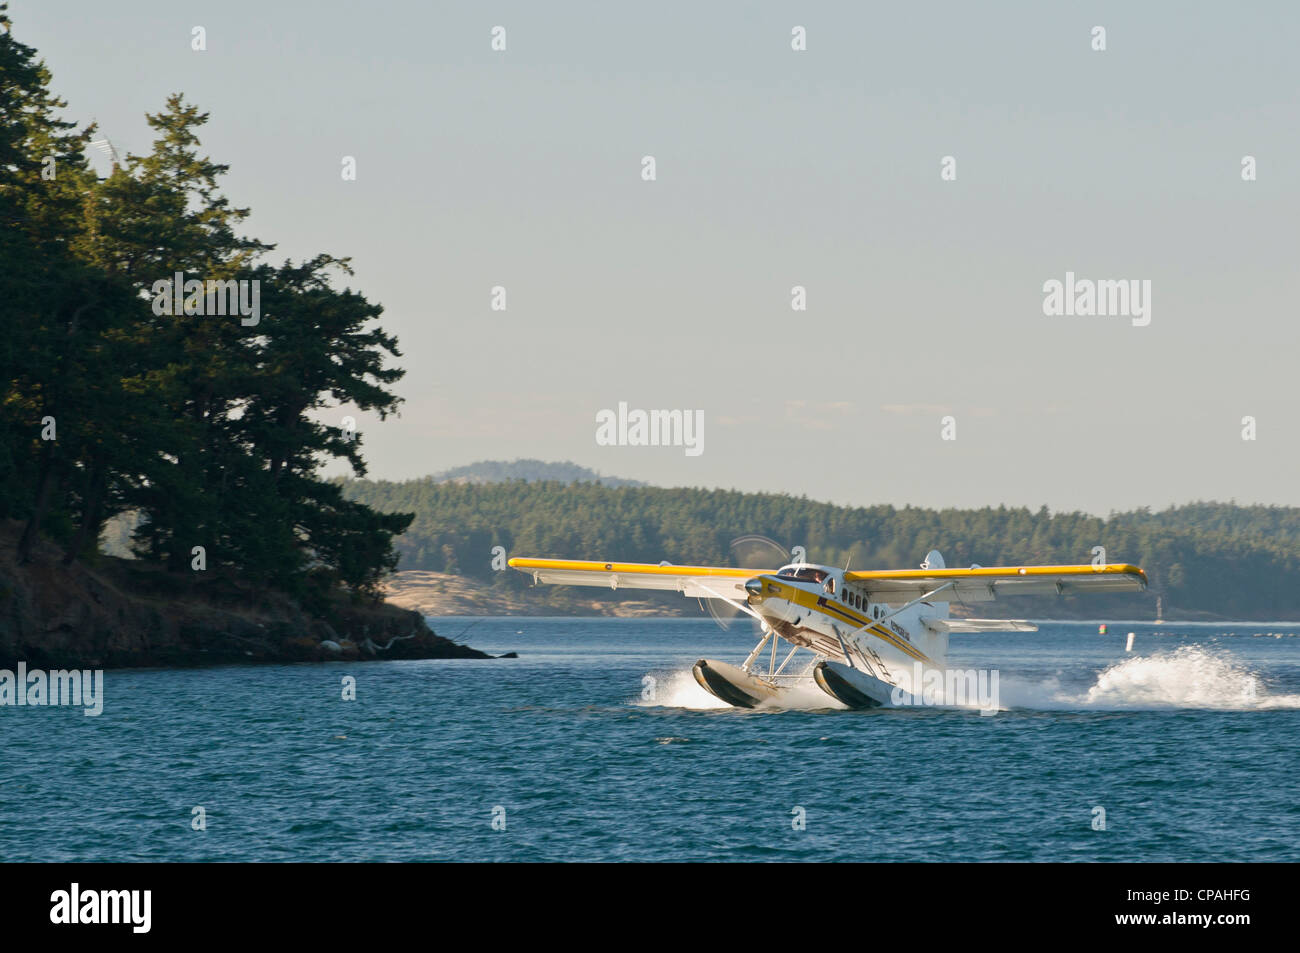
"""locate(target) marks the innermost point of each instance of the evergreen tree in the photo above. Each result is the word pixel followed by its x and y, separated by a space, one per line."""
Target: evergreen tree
pixel 204 424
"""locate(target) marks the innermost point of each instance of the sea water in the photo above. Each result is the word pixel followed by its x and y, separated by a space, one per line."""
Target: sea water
pixel 596 744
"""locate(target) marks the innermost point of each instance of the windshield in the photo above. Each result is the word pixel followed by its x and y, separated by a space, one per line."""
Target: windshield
pixel 802 575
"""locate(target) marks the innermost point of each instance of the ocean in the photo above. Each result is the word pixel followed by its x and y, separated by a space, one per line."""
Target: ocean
pixel 596 745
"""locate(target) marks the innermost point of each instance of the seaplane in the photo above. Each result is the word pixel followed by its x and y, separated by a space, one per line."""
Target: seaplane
pixel 871 637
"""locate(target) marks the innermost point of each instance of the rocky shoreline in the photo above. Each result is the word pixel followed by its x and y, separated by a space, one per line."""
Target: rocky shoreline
pixel 119 613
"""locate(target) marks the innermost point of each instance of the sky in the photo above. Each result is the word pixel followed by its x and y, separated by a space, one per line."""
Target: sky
pixel 923 370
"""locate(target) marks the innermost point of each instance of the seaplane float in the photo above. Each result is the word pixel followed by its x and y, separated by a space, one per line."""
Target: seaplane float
pixel 870 634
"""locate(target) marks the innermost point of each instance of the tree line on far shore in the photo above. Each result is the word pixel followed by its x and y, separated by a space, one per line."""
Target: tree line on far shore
pixel 1215 558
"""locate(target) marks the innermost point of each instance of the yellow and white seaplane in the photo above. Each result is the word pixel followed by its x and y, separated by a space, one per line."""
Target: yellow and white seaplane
pixel 871 634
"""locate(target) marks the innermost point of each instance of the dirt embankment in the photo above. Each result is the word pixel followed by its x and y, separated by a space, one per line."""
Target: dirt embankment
pixel 115 613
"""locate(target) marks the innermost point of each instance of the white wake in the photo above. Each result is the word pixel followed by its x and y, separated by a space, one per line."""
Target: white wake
pixel 1187 677
pixel 677 689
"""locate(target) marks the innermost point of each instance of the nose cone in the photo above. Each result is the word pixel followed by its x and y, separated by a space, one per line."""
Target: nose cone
pixel 754 591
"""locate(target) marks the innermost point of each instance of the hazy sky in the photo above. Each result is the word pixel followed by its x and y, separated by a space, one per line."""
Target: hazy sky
pixel 775 168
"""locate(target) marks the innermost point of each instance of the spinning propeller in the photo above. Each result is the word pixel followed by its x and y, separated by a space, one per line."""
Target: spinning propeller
pixel 748 552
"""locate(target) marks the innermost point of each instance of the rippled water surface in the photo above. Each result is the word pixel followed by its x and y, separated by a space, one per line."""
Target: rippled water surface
pixel 1190 744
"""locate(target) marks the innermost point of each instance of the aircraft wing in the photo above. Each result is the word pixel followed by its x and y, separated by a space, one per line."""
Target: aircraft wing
pixel 981 584
pixel 701 582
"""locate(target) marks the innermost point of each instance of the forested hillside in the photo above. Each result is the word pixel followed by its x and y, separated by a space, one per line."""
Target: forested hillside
pixel 499 471
pixel 1205 559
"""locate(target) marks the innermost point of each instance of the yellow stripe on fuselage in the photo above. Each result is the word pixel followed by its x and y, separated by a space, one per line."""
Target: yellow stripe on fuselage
pixel 810 600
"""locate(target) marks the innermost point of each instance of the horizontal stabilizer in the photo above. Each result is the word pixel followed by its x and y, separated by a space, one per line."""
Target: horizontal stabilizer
pixel 696 582
pixel 979 625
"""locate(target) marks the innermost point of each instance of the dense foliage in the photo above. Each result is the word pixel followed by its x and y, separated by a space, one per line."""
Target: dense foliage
pixel 1206 557
pixel 201 423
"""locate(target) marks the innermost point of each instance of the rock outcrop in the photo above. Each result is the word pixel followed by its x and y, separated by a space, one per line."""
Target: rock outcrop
pixel 114 613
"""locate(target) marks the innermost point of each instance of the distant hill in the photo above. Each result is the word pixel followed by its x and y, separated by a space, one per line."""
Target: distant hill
pixel 503 471
pixel 115 539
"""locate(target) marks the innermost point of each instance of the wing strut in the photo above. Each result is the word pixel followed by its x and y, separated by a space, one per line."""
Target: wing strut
pixel 786 662
pixel 758 648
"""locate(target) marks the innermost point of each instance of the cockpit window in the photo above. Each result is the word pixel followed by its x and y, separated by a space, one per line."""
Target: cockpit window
pixel 802 575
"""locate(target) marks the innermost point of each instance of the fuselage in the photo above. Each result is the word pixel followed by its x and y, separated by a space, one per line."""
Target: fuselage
pixel 811 606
